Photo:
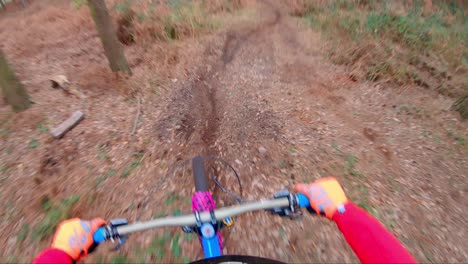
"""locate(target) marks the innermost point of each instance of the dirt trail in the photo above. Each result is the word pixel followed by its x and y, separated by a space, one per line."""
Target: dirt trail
pixel 262 83
pixel 268 85
pixel 228 118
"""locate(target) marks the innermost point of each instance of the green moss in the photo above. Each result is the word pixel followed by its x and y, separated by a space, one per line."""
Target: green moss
pixel 55 213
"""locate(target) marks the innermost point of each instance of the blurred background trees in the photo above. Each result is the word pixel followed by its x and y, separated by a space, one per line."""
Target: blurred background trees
pixel 13 91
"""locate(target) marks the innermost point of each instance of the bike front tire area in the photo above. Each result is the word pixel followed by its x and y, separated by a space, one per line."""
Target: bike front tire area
pixel 236 259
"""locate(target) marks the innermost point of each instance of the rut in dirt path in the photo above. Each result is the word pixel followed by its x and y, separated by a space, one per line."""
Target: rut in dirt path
pixel 206 88
pixel 197 105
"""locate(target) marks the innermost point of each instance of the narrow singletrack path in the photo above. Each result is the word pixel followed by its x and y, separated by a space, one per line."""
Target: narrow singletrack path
pixel 269 85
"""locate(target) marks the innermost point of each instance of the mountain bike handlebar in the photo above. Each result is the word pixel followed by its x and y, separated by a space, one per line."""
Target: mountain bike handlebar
pixel 290 202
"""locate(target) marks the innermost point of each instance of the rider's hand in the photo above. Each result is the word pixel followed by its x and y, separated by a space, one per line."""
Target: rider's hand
pixel 75 236
pixel 325 195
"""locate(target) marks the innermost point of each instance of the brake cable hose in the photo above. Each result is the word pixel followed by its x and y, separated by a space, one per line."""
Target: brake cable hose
pixel 237 198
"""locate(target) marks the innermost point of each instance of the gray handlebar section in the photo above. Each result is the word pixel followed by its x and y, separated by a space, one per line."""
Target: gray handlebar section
pixel 190 220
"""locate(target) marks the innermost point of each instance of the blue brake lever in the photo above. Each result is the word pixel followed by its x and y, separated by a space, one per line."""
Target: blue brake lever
pixel 100 235
pixel 303 201
pixel 110 232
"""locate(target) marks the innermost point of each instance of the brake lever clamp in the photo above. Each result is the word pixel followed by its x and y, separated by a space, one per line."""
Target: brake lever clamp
pixel 291 211
pixel 190 229
pixel 114 234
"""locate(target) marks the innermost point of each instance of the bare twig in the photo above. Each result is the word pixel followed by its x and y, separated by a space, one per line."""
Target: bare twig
pixel 137 117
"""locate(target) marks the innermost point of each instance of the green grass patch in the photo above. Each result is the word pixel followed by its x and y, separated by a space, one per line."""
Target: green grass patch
pixel 123 6
pixel 4 132
pixel 187 19
pixel 99 259
pixel 364 191
pixel 9 260
pixel 3 169
pixel 393 184
pixel 9 209
pixel 175 247
pixel 103 154
pixel 335 146
pixel 283 164
pixel 412 110
pixel 138 255
pixel 111 172
pixel 102 178
pixel 425 134
pixel 185 260
pixel 42 127
pixel 351 160
pixel 410 29
pixel 293 151
pixel 156 249
pixel 188 236
pixel 160 214
pixel 156 84
pixel 364 204
pixel 380 42
pixel 362 200
pixel 137 159
pixel 34 143
pixel 99 180
pixel 22 234
pixel 120 259
pixel 350 169
pixel 459 139
pixel 171 199
pixel 125 173
pixel 177 212
pixel 54 214
pixel 409 109
pixel 78 3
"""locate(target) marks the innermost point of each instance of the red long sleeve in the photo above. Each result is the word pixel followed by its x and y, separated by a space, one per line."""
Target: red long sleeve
pixel 369 239
pixel 53 256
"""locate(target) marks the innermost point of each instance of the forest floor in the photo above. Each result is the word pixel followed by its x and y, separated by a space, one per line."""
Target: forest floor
pixel 261 81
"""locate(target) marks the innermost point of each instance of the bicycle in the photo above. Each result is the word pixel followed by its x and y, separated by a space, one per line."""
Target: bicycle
pixel 207 221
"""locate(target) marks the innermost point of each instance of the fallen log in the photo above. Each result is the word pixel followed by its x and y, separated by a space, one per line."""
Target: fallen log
pixel 67 125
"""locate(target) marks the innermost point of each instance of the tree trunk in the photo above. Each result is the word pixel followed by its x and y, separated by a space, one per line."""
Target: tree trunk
pixel 461 105
pixel 13 91
pixel 112 47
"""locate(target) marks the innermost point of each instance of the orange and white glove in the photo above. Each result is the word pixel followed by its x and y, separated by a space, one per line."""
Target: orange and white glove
pixel 325 195
pixel 75 236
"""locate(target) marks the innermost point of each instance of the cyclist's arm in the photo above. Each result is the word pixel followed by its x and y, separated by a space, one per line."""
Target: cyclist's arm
pixel 53 256
pixel 369 239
